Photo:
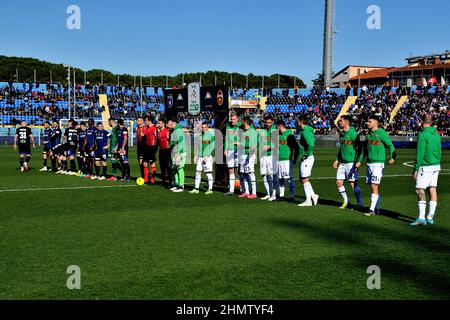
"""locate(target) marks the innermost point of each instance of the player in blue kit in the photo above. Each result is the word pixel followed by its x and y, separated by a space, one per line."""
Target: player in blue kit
pixel 57 151
pixel 80 154
pixel 47 148
pixel 89 144
pixel 122 149
pixel 101 151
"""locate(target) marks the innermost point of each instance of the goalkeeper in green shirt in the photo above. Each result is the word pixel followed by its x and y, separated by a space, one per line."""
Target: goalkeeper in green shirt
pixel 178 152
pixel 204 158
pixel 113 138
pixel 377 141
pixel 426 170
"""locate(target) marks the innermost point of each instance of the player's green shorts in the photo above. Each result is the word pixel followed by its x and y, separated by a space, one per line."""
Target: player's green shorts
pixel 179 161
pixel 113 155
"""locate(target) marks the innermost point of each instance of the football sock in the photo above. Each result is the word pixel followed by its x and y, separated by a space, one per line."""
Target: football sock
pixel 27 159
pixel 378 206
pixel 253 182
pixel 21 161
pixel 153 172
pixel 358 196
pixel 266 184
pixel 105 168
pixel 44 162
pixel 274 184
pixel 432 210
pixel 210 181
pixel 97 170
pixel 242 177
pixel 422 209
pixel 198 179
pixel 176 178
pixel 232 182
pixel 145 176
pixel 373 201
pixel 292 187
pixel 64 165
pixel 181 174
pixel 343 193
pixel 309 192
pixel 72 165
pixel 114 168
pixel 246 186
pixel 282 187
pixel 128 170
pixel 54 164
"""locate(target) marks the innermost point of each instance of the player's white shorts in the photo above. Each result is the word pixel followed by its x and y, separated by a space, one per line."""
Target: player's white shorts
pixel 346 171
pixel 247 163
pixel 374 173
pixel 284 169
pixel 266 166
pixel 306 167
pixel 232 159
pixel 427 177
pixel 205 164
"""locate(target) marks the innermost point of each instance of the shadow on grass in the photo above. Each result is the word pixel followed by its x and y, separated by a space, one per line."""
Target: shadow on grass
pixel 423 274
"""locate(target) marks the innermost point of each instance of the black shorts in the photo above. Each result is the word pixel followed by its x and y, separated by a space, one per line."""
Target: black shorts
pixel 24 149
pixel 58 151
pixel 140 152
pixel 47 148
pixel 149 155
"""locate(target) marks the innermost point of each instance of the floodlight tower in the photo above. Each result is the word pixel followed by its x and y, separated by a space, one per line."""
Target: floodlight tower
pixel 328 42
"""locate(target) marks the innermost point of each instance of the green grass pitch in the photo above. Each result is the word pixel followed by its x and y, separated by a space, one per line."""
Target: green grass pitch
pixel 148 243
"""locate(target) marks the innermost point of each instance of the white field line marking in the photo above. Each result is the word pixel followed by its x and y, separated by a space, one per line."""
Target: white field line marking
pixel 66 188
pixel 411 165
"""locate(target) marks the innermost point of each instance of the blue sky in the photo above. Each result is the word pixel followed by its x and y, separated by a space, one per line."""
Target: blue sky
pixel 149 37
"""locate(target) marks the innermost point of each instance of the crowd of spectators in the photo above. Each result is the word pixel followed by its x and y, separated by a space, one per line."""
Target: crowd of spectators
pixel 322 106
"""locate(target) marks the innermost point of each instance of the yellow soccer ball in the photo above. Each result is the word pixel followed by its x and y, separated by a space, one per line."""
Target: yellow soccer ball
pixel 140 181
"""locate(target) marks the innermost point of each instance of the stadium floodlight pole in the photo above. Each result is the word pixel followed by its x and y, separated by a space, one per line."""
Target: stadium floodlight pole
pixel 151 81
pixel 246 81
pixel 167 81
pixel 278 81
pixel 140 93
pixel 101 78
pixel 118 80
pixel 200 81
pixel 262 84
pixel 68 86
pixel 85 78
pixel 74 96
pixel 34 73
pixel 215 80
pixel 182 80
pixel 51 77
pixel 17 75
pixel 328 42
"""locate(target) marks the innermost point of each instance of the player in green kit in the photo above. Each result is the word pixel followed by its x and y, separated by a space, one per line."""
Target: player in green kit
pixel 267 160
pixel 231 150
pixel 247 156
pixel 204 159
pixel 426 170
pixel 349 155
pixel 288 152
pixel 377 140
pixel 178 154
pixel 115 164
pixel 307 159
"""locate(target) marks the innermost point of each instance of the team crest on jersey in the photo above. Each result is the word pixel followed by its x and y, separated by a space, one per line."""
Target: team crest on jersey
pixel 169 101
pixel 219 97
pixel 180 97
pixel 208 95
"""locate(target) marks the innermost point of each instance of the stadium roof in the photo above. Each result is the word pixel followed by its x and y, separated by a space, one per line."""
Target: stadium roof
pixel 377 73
